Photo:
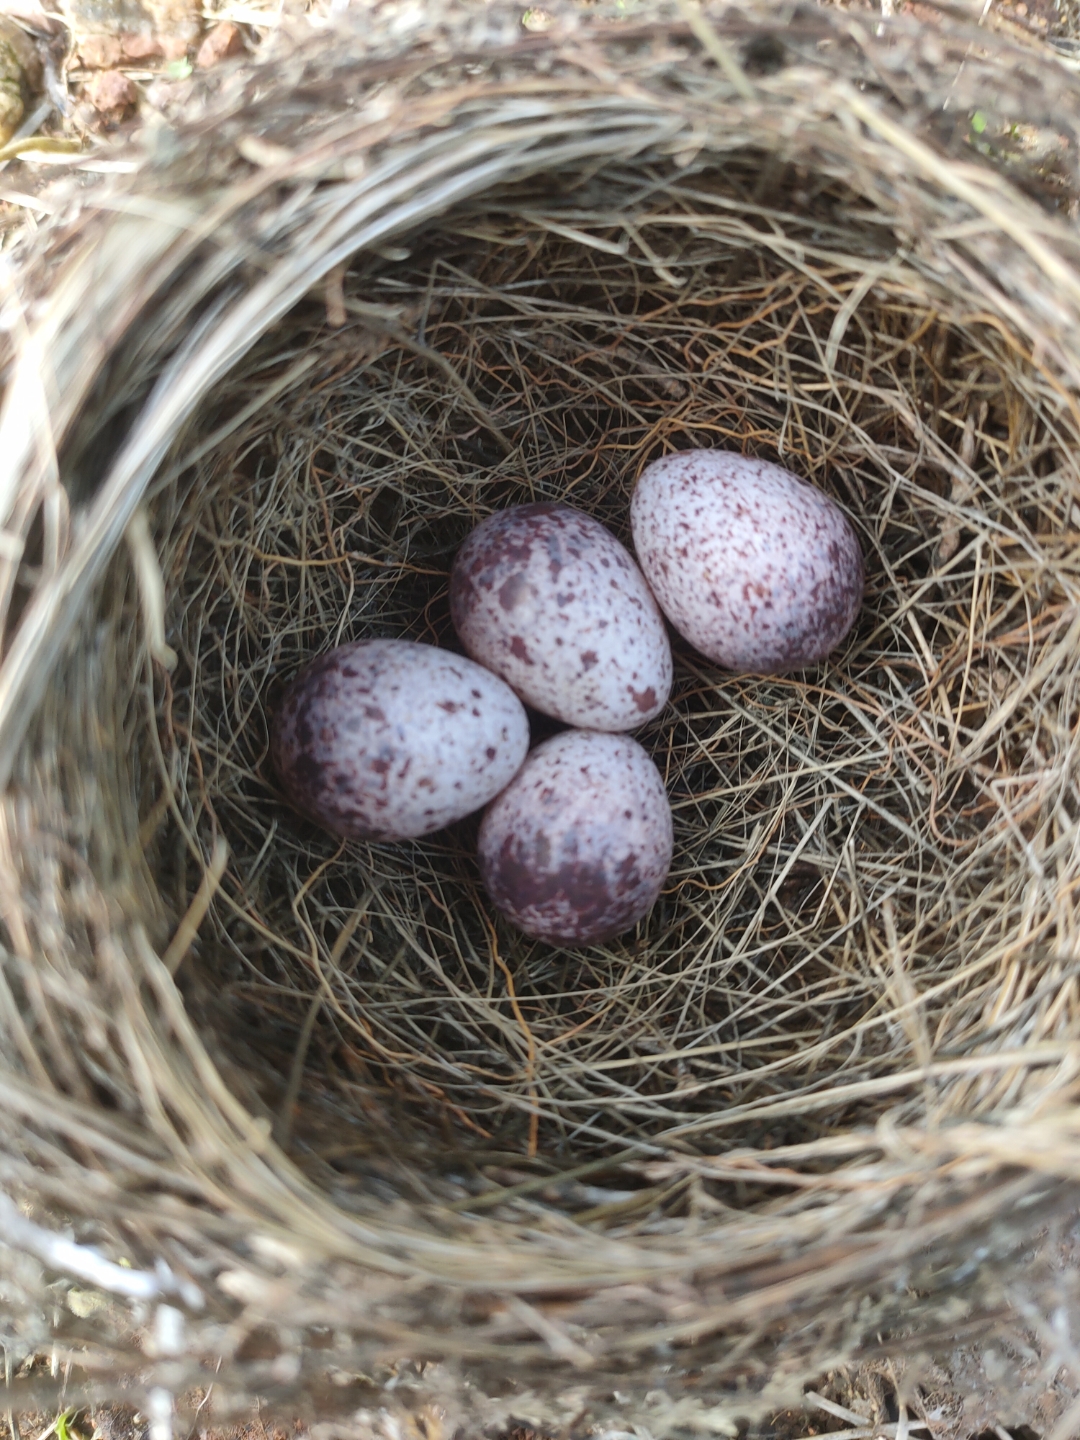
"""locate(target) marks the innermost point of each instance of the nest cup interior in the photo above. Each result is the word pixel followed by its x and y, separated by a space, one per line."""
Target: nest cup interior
pixel 864 851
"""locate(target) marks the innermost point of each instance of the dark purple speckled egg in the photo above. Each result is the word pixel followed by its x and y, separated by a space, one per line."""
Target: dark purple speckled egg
pixel 387 739
pixel 578 845
pixel 755 567
pixel 546 597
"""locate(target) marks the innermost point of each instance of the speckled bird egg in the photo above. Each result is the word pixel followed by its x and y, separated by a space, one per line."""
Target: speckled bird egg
pixel 755 567
pixel 387 739
pixel 546 597
pixel 577 846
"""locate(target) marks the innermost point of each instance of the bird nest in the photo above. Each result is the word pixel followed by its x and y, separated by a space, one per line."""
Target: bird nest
pixel 332 1118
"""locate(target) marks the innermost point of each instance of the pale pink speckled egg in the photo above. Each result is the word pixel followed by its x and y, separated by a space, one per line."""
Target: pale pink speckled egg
pixel 760 571
pixel 387 739
pixel 577 847
pixel 546 597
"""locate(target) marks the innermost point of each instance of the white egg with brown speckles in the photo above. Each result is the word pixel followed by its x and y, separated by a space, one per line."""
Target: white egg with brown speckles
pixel 389 739
pixel 546 597
pixel 759 570
pixel 577 847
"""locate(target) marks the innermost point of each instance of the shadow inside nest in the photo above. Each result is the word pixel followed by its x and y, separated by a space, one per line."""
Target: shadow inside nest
pixel 851 870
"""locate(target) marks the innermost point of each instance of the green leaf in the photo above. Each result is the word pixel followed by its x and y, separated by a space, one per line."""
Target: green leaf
pixel 978 122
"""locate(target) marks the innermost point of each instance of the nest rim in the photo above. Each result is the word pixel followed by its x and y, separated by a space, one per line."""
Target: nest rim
pixel 422 1242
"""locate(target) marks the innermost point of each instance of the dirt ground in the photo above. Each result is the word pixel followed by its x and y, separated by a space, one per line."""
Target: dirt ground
pixel 997 1391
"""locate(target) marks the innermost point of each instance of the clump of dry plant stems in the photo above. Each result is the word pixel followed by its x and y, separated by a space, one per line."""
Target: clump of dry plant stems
pixel 670 1178
pixel 854 862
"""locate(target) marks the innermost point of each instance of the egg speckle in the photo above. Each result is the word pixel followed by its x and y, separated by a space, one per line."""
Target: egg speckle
pixel 546 597
pixel 760 571
pixel 578 845
pixel 387 739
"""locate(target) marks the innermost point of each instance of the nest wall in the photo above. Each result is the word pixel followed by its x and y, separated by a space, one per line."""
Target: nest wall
pixel 351 1137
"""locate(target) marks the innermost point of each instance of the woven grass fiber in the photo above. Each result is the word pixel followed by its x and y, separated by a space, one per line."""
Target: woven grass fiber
pixel 318 1123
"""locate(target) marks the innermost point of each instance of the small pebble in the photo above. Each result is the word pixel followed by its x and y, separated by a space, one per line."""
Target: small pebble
pixel 221 43
pixel 112 95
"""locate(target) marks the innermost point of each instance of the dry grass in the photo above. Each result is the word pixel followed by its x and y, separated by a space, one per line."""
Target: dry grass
pixel 821 1098
pixel 862 851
